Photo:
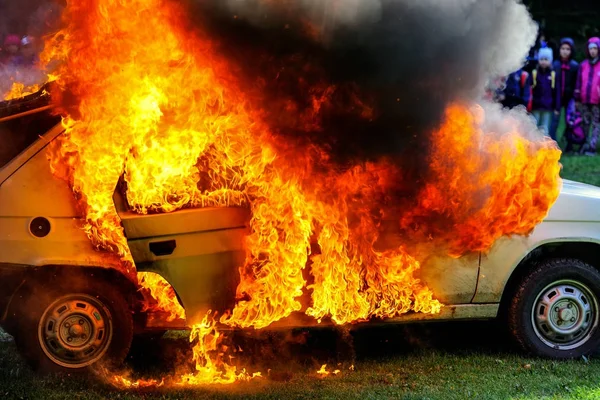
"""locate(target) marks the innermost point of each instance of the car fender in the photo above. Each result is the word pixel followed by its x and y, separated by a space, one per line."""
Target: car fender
pixel 506 255
pixel 29 193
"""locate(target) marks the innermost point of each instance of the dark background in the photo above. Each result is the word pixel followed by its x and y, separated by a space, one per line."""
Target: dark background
pixel 579 19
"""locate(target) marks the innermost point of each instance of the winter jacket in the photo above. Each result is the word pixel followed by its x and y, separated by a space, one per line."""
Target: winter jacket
pixel 543 83
pixel 566 79
pixel 587 89
pixel 574 130
pixel 517 88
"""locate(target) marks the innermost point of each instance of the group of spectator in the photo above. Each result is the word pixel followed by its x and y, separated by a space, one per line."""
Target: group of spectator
pixel 557 86
pixel 19 62
pixel 18 51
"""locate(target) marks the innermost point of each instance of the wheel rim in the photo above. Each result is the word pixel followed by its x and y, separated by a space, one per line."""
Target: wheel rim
pixel 75 331
pixel 565 314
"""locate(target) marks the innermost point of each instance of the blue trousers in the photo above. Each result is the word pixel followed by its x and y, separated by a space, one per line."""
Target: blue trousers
pixel 556 122
pixel 544 120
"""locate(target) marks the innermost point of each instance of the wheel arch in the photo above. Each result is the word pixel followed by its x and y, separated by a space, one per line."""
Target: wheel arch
pixel 586 251
pixel 39 277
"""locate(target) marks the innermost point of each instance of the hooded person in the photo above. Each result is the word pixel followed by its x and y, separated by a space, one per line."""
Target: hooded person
pixel 517 90
pixel 28 56
pixel 543 85
pixel 10 50
pixel 587 94
pixel 566 70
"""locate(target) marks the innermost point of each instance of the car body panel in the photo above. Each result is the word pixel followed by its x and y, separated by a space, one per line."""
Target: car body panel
pixel 12 276
pixel 206 249
pixel 507 253
pixel 29 190
pixel 577 202
pixel 452 280
pixel 17 162
pixel 575 217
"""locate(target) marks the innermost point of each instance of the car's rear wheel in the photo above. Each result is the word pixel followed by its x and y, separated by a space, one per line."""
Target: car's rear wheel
pixel 555 310
pixel 81 325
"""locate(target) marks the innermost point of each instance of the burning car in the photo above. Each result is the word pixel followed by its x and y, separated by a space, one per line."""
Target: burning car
pixel 70 306
pixel 162 181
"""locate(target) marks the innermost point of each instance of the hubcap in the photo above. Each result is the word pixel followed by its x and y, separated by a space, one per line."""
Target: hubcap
pixel 75 331
pixel 565 314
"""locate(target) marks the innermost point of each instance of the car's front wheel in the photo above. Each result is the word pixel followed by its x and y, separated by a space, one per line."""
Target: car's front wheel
pixel 73 327
pixel 555 310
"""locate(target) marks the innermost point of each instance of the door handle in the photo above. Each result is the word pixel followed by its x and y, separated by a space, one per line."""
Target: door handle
pixel 165 248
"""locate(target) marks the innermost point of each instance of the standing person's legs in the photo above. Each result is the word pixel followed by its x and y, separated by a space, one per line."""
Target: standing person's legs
pixel 547 122
pixel 544 120
pixel 569 147
pixel 586 115
pixel 554 126
pixel 595 127
pixel 537 115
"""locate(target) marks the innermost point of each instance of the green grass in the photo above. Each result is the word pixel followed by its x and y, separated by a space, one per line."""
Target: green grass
pixel 578 168
pixel 582 169
pixel 430 375
pixel 433 361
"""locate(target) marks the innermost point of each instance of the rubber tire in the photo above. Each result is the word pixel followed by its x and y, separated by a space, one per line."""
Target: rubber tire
pixel 33 308
pixel 519 311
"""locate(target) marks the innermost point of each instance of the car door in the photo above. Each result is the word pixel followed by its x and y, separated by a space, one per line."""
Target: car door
pixel 198 251
pixel 452 280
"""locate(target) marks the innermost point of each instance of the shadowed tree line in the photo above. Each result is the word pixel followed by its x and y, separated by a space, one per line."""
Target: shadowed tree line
pixel 579 19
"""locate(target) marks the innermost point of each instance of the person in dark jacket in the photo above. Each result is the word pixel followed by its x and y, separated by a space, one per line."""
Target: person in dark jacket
pixel 517 90
pixel 10 55
pixel 566 70
pixel 587 95
pixel 543 83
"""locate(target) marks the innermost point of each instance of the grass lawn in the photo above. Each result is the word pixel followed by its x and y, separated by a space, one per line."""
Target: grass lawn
pixel 582 169
pixel 578 168
pixel 430 361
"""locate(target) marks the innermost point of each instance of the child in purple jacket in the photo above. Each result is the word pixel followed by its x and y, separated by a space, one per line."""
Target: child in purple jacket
pixel 543 84
pixel 587 94
pixel 574 131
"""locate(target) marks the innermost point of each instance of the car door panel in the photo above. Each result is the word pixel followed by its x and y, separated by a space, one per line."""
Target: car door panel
pixel 197 251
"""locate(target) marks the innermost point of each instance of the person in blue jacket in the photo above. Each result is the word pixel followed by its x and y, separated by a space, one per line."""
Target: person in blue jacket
pixel 543 83
pixel 517 90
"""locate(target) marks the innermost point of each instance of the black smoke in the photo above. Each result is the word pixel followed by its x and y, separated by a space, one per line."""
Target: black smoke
pixel 387 68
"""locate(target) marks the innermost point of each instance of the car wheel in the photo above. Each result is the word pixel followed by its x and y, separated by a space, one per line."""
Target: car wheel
pixel 555 310
pixel 84 324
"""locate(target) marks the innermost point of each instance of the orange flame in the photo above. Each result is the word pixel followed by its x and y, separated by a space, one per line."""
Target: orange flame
pixel 211 368
pixel 163 293
pixel 125 383
pixel 19 90
pixel 324 372
pixel 517 178
pixel 161 109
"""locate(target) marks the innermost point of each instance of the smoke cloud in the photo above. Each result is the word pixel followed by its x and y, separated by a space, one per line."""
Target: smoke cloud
pixel 386 69
pixel 32 18
pixel 500 32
